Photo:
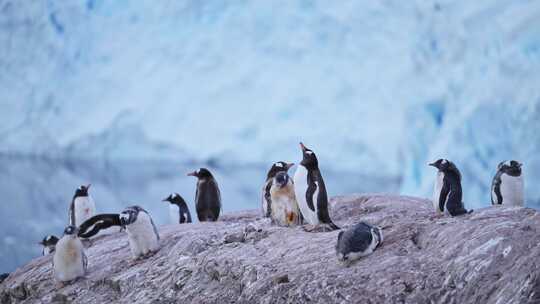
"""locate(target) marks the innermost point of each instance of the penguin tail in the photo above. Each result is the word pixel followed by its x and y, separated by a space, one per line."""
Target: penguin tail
pixel 333 226
pixel 470 211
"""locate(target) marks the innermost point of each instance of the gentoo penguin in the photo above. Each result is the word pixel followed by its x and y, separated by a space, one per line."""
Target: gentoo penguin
pixel 69 261
pixel 447 191
pixel 285 211
pixel 507 186
pixel 266 202
pixel 48 243
pixel 82 206
pixel 178 209
pixel 360 240
pixel 99 223
pixel 142 233
pixel 311 191
pixel 207 197
pixel 3 277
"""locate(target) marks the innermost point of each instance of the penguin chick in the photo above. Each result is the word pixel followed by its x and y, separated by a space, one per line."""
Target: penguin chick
pixel 358 241
pixel 49 244
pixel 142 233
pixel 285 211
pixel 207 196
pixel 507 187
pixel 178 209
pixel 69 260
pixel 266 201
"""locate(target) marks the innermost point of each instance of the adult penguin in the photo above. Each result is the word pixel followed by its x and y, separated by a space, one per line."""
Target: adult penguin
pixel 207 196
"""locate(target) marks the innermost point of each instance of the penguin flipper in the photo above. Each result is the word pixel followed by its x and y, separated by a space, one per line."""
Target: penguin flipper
pixel 443 196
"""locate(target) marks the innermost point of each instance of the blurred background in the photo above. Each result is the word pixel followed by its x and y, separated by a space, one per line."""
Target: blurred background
pixel 131 95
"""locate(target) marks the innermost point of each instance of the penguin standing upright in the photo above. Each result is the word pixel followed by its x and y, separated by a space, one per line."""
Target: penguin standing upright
pixel 82 206
pixel 178 209
pixel 447 193
pixel 142 233
pixel 69 261
pixel 285 211
pixel 49 244
pixel 207 196
pixel 507 187
pixel 359 241
pixel 266 201
pixel 311 191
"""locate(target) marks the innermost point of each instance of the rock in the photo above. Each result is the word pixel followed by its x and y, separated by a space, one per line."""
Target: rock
pixel 489 256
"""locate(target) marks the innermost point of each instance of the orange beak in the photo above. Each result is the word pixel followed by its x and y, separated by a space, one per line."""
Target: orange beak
pixel 302 147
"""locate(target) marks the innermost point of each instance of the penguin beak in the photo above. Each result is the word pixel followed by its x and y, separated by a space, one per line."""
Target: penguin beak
pixel 289 165
pixel 432 164
pixel 194 173
pixel 88 186
pixel 520 164
pixel 302 147
pixel 165 199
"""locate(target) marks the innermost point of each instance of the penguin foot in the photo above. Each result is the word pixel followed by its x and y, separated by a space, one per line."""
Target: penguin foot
pixel 317 228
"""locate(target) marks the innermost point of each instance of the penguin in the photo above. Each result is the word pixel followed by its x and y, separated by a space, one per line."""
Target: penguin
pixel 507 186
pixel 178 209
pixel 100 223
pixel 360 240
pixel 49 244
pixel 142 232
pixel 447 192
pixel 279 166
pixel 82 206
pixel 3 277
pixel 311 192
pixel 285 211
pixel 207 196
pixel 69 260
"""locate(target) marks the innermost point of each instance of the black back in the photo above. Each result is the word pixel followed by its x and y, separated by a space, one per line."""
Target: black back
pixel 314 179
pixel 356 239
pixel 98 222
pixel 451 193
pixel 207 196
pixel 176 199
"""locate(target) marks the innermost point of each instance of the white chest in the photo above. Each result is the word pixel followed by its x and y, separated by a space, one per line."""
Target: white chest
pixel 68 259
pixel 142 238
pixel 284 206
pixel 300 189
pixel 84 208
pixel 439 182
pixel 512 190
pixel 174 213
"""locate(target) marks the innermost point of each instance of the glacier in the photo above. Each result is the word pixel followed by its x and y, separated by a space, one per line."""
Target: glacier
pixel 374 87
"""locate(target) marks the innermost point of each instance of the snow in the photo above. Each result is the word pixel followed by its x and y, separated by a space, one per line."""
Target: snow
pixel 378 87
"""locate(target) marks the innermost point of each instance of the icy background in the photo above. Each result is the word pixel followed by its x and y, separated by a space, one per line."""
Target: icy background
pixel 376 88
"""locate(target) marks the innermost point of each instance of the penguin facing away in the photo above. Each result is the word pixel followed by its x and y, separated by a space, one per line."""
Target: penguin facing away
pixel 360 240
pixel 507 187
pixel 49 244
pixel 266 202
pixel 178 209
pixel 69 260
pixel 311 191
pixel 285 211
pixel 207 196
pixel 142 233
pixel 100 223
pixel 447 193
pixel 82 206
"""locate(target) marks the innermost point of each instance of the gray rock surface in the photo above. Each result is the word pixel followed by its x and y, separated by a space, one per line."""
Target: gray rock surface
pixel 489 256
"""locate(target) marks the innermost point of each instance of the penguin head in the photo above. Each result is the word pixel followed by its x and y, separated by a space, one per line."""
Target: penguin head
pixel 129 215
pixel 446 166
pixel 82 190
pixel 71 230
pixel 201 173
pixel 279 166
pixel 309 159
pixel 174 198
pixel 342 248
pixel 49 240
pixel 281 179
pixel 511 167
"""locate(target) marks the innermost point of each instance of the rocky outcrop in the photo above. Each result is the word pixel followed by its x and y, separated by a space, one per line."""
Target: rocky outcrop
pixel 489 256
